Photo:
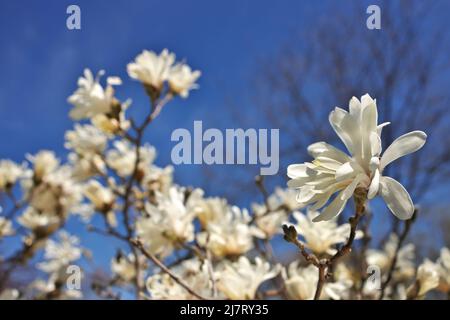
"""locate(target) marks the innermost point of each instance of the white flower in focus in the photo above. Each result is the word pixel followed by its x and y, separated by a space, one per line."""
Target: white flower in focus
pixel 122 159
pixel 427 277
pixel 6 228
pixel 321 236
pixel 150 68
pixel 332 172
pixel 10 172
pixel 231 235
pixel 182 79
pixel 91 99
pixel 240 280
pixel 301 284
pixel 193 272
pixel 167 224
pixel 59 254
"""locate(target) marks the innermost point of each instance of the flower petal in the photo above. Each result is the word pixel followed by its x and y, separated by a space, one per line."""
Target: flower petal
pixel 396 198
pixel 374 185
pixel 402 146
pixel 333 210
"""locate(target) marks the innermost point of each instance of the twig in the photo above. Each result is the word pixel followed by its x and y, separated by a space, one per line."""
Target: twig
pixel 393 265
pixel 156 261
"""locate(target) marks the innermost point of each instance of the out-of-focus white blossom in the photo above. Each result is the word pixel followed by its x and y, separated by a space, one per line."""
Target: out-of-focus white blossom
pixel 9 294
pixel 301 284
pixel 240 280
pixel 167 224
pixel 193 272
pixel 383 258
pixel 150 68
pixel 6 228
pixel 35 220
pixel 91 99
pixel 427 277
pixel 182 79
pixel 321 237
pixel 54 287
pixel 59 254
pixel 444 269
pixel 231 235
pixel 333 171
pixel 86 139
pixel 158 179
pixel 10 172
pixel 122 159
pixel 44 162
pixel 124 267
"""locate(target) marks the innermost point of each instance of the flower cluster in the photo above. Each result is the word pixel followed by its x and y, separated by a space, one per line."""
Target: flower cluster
pixel 175 242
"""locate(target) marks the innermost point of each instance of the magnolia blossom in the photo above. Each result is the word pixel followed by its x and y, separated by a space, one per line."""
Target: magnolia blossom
pixel 301 284
pixel 44 162
pixel 333 171
pixel 269 220
pixel 35 220
pixel 231 235
pixel 6 228
pixel 150 68
pixel 193 272
pixel 54 288
pixel 10 172
pixel 158 179
pixel 210 210
pixel 124 267
pixel 383 258
pixel 444 268
pixel 86 139
pixel 321 237
pixel 167 224
pixel 122 159
pixel 182 79
pixel 91 99
pixel 241 279
pixel 427 277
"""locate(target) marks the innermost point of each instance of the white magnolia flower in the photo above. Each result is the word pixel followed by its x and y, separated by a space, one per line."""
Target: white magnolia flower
pixel 91 99
pixel 444 268
pixel 54 288
pixel 44 162
pixel 6 228
pixel 59 254
pixel 333 171
pixel 427 277
pixel 56 193
pixel 210 210
pixel 182 79
pixel 231 235
pixel 9 294
pixel 101 198
pixel 158 179
pixel 193 272
pixel 86 139
pixel 123 266
pixel 122 159
pixel 405 267
pixel 301 284
pixel 167 224
pixel 150 68
pixel 10 172
pixel 240 280
pixel 86 166
pixel 321 237
pixel 35 220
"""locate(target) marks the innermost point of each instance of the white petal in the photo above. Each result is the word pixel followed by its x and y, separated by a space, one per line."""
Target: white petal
pixel 299 170
pixel 381 126
pixel 334 209
pixel 396 198
pixel 346 128
pixel 326 150
pixel 374 185
pixel 350 189
pixel 402 146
